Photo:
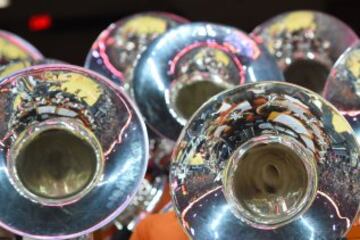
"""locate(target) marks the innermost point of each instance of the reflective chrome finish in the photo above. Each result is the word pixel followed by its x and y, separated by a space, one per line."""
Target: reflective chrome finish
pixel 114 55
pixel 55 162
pixel 143 203
pixel 152 187
pixel 343 86
pixel 14 48
pixel 306 44
pixel 15 66
pixel 267 160
pixel 118 48
pixel 269 180
pixel 188 64
pixel 83 237
pixel 73 151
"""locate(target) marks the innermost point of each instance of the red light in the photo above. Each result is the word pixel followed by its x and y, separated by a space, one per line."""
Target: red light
pixel 39 22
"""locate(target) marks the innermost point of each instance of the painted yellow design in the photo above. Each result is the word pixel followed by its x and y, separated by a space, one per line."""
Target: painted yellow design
pixel 353 63
pixel 292 22
pixel 145 25
pixel 219 55
pixel 17 100
pixel 73 83
pixel 273 115
pixel 77 84
pixel 196 160
pixel 14 67
pixel 11 51
pixel 340 124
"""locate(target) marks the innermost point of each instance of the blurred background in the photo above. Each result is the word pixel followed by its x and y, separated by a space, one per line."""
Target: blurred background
pixel 66 29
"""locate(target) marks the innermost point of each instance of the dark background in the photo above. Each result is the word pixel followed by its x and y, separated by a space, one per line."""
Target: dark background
pixel 76 23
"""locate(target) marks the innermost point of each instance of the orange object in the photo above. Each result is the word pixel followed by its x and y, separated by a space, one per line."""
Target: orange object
pixel 162 226
pixel 354 233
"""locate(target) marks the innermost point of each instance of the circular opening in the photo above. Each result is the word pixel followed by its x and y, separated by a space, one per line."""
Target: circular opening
pixel 192 95
pixel 268 182
pixel 56 164
pixel 310 74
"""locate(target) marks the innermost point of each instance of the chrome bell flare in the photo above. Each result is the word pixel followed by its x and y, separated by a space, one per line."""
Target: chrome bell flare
pixel 114 55
pixel 86 106
pixel 186 65
pixel 116 51
pixel 267 160
pixel 343 86
pixel 16 66
pixel 82 237
pixel 305 44
pixel 14 48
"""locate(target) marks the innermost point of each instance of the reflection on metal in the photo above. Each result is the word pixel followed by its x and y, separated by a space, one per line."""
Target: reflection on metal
pixel 114 55
pixel 16 66
pixel 263 161
pixel 143 203
pixel 185 66
pixel 118 48
pixel 13 48
pixel 83 237
pixel 73 151
pixel 306 44
pixel 152 187
pixel 270 180
pixel 343 86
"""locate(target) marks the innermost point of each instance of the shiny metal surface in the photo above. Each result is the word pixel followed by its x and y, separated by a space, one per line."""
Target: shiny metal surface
pixel 306 44
pixel 267 160
pixel 143 203
pixel 114 55
pixel 342 86
pixel 55 162
pixel 270 180
pixel 14 48
pixel 190 63
pixel 18 65
pixel 44 95
pixel 118 48
pixel 152 187
pixel 83 237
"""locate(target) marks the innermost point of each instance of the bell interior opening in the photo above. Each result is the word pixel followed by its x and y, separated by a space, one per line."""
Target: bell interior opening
pixel 270 183
pixel 191 96
pixel 310 74
pixel 56 164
